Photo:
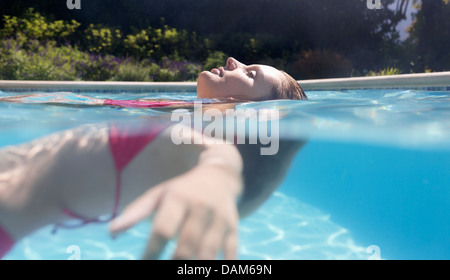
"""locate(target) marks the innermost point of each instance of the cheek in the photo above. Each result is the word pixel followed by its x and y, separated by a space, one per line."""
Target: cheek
pixel 236 86
pixel 231 86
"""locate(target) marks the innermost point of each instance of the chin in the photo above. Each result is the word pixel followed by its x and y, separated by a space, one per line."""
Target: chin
pixel 202 85
pixel 206 76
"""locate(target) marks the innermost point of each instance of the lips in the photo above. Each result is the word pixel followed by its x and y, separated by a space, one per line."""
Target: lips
pixel 217 71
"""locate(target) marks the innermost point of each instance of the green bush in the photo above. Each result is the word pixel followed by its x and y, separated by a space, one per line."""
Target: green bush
pixel 32 49
pixel 46 61
pixel 172 70
pixel 100 39
pixel 38 62
pixel 34 26
pixel 215 60
pixel 137 45
pixel 97 67
pixel 157 43
pixel 137 71
pixel 385 72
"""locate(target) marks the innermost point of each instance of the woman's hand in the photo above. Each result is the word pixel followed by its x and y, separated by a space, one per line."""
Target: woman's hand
pixel 199 207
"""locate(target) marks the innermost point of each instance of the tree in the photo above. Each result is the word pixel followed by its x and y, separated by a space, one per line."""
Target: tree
pixel 430 35
pixel 251 30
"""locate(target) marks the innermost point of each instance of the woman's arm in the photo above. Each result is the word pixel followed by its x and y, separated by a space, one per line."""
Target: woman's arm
pixel 199 205
pixel 35 175
pixel 74 170
pixel 185 187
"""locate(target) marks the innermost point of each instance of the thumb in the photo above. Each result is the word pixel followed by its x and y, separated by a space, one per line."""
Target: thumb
pixel 139 209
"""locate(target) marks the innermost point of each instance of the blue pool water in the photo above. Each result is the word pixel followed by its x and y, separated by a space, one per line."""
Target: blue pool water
pixel 373 180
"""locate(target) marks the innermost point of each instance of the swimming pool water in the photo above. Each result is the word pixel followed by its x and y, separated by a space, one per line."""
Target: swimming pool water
pixel 375 173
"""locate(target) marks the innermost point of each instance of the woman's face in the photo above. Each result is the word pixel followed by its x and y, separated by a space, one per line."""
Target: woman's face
pixel 239 81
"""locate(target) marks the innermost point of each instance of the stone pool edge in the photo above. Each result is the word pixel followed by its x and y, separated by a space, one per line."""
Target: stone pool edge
pixel 425 81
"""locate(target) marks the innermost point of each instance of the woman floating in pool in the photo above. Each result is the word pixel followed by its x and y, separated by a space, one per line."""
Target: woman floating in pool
pixel 194 192
pixel 235 82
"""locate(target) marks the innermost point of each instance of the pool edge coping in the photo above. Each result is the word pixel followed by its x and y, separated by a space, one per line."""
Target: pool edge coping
pixel 422 80
pixel 18 84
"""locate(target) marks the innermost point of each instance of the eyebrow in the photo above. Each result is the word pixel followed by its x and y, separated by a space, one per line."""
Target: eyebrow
pixel 258 69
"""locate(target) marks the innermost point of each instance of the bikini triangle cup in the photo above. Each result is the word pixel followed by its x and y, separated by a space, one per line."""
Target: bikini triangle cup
pixel 6 242
pixel 142 104
pixel 125 143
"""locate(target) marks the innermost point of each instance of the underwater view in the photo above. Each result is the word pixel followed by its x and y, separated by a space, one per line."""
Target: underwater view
pixel 371 182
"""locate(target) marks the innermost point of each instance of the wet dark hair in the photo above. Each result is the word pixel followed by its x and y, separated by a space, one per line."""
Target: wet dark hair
pixel 289 88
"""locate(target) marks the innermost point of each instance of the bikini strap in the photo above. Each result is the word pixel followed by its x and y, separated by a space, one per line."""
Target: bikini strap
pixel 125 143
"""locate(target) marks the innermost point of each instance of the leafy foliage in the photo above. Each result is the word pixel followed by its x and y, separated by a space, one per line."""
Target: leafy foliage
pixel 385 72
pixel 153 40
pixel 430 36
pixel 34 48
pixel 34 26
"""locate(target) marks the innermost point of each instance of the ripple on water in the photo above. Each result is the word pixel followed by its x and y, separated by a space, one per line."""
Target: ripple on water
pixel 283 228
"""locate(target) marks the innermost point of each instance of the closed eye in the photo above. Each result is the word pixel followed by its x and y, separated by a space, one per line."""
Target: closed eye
pixel 252 74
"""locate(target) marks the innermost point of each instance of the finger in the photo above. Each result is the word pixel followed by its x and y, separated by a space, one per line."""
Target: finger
pixel 138 210
pixel 231 235
pixel 166 225
pixel 230 246
pixel 192 232
pixel 213 240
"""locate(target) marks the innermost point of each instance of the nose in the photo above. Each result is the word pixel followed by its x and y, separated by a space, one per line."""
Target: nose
pixel 233 64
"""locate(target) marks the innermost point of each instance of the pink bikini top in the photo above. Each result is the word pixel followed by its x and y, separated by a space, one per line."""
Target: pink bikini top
pixel 142 104
pixel 125 143
pixel 6 242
